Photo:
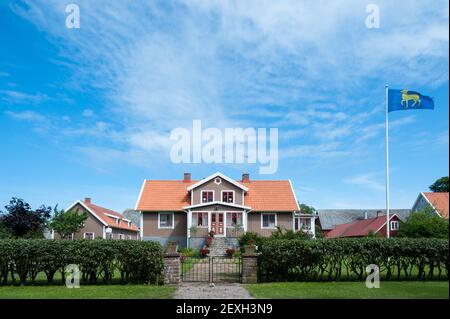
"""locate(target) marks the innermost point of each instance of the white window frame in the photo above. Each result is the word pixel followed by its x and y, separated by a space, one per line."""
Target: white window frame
pixel 89 232
pixel 231 218
pixel 121 236
pixel 305 219
pixel 205 213
pixel 262 219
pixel 159 220
pixel 229 191
pixel 395 222
pixel 207 190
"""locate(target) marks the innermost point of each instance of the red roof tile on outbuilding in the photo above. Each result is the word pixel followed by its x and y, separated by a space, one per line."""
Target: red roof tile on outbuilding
pixel 102 212
pixel 359 228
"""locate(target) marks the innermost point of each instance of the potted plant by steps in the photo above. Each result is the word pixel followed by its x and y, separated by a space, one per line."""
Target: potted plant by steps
pixel 250 247
pixel 208 241
pixel 204 252
pixel 230 252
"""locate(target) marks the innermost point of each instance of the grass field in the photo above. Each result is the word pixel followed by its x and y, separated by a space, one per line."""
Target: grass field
pixel 350 290
pixel 88 292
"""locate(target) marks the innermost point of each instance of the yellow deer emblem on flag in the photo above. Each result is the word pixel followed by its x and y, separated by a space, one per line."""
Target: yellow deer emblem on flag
pixel 410 97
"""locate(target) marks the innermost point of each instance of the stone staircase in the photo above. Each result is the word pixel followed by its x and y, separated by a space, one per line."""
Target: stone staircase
pixel 218 246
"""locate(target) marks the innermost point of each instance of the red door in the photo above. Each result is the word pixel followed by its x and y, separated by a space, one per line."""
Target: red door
pixel 217 223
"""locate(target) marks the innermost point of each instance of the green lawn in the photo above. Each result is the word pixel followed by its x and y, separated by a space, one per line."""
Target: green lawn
pixel 350 290
pixel 88 292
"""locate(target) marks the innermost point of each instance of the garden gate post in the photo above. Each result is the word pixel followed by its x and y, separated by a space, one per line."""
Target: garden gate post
pixel 172 268
pixel 250 268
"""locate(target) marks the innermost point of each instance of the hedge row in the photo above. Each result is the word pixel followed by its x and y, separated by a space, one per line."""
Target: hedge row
pixel 346 259
pixel 136 261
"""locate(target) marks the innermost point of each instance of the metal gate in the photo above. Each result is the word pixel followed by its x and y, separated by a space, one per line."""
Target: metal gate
pixel 211 269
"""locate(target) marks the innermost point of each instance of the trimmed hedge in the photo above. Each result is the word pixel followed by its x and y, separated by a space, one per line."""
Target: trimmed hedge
pixel 346 259
pixel 136 261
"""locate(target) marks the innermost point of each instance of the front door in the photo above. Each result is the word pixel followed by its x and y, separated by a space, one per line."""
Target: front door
pixel 217 223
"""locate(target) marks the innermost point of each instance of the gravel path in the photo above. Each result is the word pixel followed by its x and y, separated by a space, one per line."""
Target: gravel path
pixel 204 291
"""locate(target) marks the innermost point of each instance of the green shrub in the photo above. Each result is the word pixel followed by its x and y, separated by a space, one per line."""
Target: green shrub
pixel 279 233
pixel 257 239
pixel 137 261
pixel 322 260
pixel 190 252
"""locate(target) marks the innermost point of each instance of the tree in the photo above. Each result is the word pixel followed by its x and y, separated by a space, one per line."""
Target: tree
pixel 20 221
pixel 4 233
pixel 67 223
pixel 305 209
pixel 424 224
pixel 440 185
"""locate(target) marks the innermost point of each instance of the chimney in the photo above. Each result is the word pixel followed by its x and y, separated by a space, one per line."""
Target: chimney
pixel 245 177
pixel 187 177
pixel 365 215
pixel 87 200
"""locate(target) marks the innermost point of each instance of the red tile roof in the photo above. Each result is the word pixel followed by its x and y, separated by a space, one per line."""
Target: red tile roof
pixel 359 228
pixel 270 196
pixel 101 213
pixel 439 202
pixel 263 195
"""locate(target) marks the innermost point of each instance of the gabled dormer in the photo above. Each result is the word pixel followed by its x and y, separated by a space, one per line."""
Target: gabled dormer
pixel 217 188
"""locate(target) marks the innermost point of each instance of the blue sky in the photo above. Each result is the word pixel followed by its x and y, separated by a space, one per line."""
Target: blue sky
pixel 88 112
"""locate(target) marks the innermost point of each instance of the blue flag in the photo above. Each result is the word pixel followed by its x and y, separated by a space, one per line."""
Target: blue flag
pixel 399 100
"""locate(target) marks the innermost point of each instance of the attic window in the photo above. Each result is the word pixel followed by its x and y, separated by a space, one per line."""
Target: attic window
pixel 217 180
pixel 118 221
pixel 207 196
pixel 228 196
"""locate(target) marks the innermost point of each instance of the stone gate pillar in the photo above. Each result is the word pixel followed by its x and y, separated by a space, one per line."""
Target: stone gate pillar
pixel 172 268
pixel 250 268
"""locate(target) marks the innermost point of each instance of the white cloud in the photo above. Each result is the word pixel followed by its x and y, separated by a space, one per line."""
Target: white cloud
pixel 289 64
pixel 30 116
pixel 368 180
pixel 17 97
pixel 87 113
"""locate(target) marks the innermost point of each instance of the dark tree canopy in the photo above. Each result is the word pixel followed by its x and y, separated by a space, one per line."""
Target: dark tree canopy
pixel 424 224
pixel 440 185
pixel 20 221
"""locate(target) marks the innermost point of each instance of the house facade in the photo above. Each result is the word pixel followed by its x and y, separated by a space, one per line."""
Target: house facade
pixel 364 227
pixel 185 211
pixel 101 222
pixel 437 201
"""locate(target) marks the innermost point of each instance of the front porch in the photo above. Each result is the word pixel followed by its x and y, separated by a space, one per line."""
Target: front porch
pixel 224 224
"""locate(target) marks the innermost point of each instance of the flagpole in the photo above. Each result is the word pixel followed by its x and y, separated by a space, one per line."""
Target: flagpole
pixel 387 164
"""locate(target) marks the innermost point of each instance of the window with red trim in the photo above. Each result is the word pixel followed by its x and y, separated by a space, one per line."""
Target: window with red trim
pixel 200 219
pixel 234 219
